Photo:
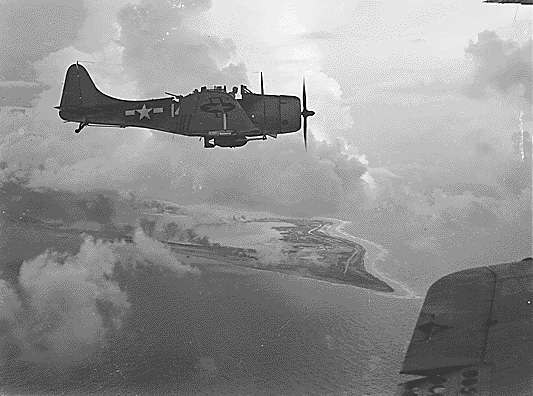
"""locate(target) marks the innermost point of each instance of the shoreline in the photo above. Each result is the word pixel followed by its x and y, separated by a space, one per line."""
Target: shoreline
pixel 403 291
pixel 347 267
pixel 313 248
pixel 339 257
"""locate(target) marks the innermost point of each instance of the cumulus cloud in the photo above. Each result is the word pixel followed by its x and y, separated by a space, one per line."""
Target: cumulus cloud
pixel 149 46
pixel 29 31
pixel 160 49
pixel 503 65
pixel 163 52
pixel 265 176
pixel 18 93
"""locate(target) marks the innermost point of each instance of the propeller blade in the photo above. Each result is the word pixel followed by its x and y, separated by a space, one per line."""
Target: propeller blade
pixel 262 87
pixel 305 113
pixel 304 96
pixel 305 133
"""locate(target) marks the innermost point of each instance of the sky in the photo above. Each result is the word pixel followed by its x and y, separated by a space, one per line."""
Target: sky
pixel 417 133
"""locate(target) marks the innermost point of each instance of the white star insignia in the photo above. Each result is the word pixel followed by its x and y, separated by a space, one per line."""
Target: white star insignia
pixel 144 112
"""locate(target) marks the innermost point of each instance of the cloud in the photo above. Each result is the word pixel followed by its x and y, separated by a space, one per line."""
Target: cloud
pixel 159 49
pixel 162 52
pixel 503 65
pixel 267 175
pixel 19 93
pixel 29 31
pixel 423 138
pixel 317 35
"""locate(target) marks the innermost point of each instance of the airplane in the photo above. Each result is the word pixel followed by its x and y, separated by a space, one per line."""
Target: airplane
pixel 474 334
pixel 523 2
pixel 214 115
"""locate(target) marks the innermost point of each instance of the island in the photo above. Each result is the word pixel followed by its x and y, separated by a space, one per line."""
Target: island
pixel 198 236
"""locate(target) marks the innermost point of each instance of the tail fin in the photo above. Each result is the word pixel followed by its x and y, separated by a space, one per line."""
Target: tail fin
pixel 79 90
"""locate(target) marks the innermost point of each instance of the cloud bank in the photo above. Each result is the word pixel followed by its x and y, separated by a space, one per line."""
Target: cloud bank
pixel 503 65
pixel 417 145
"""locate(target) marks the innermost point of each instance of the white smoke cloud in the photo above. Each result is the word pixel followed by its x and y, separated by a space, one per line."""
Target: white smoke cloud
pixel 55 316
pixel 153 251
pixel 271 254
pixel 63 308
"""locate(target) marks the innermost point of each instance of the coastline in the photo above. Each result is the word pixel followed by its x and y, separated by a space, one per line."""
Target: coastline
pixel 375 254
pixel 339 260
pixel 315 248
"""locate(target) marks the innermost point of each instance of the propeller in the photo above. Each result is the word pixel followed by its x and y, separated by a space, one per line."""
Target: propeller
pixel 264 104
pixel 305 113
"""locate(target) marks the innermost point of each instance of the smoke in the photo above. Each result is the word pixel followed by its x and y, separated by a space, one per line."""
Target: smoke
pixel 271 254
pixel 150 250
pixel 56 313
pixel 503 65
pixel 64 308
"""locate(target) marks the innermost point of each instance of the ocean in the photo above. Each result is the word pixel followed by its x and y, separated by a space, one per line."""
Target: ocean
pixel 228 332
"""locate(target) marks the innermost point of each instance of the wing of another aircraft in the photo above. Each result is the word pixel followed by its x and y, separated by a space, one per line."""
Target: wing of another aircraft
pixel 523 2
pixel 474 335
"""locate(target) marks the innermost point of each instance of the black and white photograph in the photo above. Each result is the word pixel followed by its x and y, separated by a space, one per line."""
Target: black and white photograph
pixel 283 197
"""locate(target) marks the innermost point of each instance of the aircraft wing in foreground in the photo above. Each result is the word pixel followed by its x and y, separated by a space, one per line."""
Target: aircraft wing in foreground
pixel 474 335
pixel 523 2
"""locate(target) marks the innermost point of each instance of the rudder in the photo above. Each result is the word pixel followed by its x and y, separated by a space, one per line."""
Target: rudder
pixel 79 90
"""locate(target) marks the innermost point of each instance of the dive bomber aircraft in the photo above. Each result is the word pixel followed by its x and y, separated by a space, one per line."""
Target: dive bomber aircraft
pixel 214 114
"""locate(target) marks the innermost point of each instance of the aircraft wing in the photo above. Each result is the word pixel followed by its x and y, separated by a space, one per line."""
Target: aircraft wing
pixel 212 113
pixel 474 334
pixel 523 2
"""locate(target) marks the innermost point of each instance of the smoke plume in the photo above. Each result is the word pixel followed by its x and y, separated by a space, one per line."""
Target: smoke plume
pixel 64 308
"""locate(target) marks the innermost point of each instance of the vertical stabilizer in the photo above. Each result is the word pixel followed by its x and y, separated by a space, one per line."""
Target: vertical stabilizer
pixel 79 90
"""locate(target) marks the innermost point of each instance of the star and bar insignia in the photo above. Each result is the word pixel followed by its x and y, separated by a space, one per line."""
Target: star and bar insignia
pixel 144 112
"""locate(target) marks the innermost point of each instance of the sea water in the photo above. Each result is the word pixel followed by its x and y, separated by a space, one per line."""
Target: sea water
pixel 238 332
